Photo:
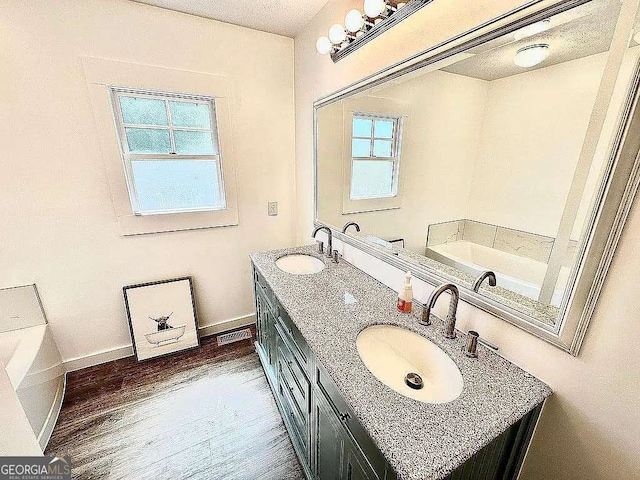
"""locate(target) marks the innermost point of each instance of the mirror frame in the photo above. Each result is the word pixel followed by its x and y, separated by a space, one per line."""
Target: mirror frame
pixel 613 199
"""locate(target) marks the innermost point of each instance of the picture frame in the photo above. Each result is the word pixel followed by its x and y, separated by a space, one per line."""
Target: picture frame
pixel 162 317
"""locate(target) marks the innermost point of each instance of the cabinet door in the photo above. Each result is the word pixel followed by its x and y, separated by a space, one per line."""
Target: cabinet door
pixel 328 441
pixel 356 467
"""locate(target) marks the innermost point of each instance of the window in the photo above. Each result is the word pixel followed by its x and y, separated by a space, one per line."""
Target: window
pixel 375 154
pixel 171 153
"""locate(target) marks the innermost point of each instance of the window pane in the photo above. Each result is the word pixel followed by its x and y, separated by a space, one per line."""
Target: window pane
pixel 371 179
pixel 194 143
pixel 185 114
pixel 143 111
pixel 361 127
pixel 176 184
pixel 148 140
pixel 383 129
pixel 360 148
pixel 382 148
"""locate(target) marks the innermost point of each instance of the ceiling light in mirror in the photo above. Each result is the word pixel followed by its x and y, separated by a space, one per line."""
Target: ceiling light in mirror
pixel 532 29
pixel 354 21
pixel 531 55
pixel 323 45
pixel 337 35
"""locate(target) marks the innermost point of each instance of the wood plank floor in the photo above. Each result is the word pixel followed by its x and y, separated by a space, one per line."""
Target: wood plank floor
pixel 203 414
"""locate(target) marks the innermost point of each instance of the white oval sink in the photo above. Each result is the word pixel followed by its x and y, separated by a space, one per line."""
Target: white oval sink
pixel 300 264
pixel 391 353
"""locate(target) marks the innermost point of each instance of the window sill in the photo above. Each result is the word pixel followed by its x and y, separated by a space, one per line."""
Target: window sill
pixel 175 222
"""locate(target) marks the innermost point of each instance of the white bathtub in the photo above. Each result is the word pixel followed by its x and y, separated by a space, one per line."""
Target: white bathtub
pixel 32 381
pixel 518 274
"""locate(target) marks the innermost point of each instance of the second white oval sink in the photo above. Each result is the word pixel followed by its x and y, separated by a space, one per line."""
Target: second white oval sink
pixel 395 355
pixel 300 264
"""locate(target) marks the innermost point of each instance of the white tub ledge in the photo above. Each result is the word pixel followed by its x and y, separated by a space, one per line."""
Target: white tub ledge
pixel 32 383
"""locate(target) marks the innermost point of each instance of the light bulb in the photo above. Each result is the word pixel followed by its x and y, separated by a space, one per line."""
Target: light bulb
pixel 353 21
pixel 337 35
pixel 531 55
pixel 532 29
pixel 374 8
pixel 636 37
pixel 323 45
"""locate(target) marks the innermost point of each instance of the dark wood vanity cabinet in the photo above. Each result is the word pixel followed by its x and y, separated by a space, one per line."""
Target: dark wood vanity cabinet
pixel 326 434
pixel 323 429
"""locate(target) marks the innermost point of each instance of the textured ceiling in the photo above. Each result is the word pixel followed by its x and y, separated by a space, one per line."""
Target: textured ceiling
pixel 577 33
pixel 283 17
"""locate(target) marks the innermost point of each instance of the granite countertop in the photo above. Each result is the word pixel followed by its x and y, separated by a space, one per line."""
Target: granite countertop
pixel 419 440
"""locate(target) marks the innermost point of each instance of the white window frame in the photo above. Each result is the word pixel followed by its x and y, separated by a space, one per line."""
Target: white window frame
pixel 100 76
pixel 127 156
pixel 380 107
pixel 396 144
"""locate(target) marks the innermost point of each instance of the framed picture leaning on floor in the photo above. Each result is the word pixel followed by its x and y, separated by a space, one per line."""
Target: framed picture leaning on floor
pixel 162 317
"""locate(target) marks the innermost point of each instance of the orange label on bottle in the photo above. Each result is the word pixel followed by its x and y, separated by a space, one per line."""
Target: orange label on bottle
pixel 404 306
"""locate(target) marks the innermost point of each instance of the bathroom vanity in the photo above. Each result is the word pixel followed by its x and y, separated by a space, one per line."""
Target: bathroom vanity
pixel 344 423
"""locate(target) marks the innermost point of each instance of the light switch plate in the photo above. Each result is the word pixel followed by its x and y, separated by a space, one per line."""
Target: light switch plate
pixel 273 209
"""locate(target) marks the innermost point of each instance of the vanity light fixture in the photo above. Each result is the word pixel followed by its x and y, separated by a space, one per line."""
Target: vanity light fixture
pixel 531 55
pixel 337 34
pixel 532 29
pixel 323 45
pixel 374 8
pixel 379 16
pixel 354 21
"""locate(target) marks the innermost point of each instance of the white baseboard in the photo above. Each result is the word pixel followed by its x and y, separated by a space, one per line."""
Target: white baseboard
pixel 97 358
pixel 117 353
pixel 227 325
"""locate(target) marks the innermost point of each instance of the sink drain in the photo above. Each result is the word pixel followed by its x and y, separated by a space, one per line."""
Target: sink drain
pixel 413 380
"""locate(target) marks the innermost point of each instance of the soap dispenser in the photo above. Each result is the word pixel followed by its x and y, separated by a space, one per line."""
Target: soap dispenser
pixel 405 297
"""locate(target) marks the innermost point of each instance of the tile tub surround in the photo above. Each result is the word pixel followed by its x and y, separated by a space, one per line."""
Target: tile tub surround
pixel 518 242
pixel 420 441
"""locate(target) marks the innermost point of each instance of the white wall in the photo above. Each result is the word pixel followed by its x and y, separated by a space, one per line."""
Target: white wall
pixel 532 134
pixel 591 426
pixel 58 226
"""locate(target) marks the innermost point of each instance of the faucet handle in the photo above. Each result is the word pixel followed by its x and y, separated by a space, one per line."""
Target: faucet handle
pixel 320 246
pixel 450 326
pixel 426 321
pixel 336 256
pixel 471 350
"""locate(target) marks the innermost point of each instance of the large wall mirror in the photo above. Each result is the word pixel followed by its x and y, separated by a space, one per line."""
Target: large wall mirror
pixel 511 150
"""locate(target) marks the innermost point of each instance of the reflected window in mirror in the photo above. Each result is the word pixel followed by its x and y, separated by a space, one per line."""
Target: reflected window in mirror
pixel 375 143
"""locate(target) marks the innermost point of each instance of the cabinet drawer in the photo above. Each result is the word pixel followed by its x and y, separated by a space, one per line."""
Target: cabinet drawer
pixel 296 379
pixel 293 338
pixel 267 293
pixel 350 421
pixel 298 422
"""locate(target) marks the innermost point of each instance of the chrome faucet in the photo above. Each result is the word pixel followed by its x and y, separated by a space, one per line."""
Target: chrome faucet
pixel 329 238
pixel 350 224
pixel 486 274
pixel 450 321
